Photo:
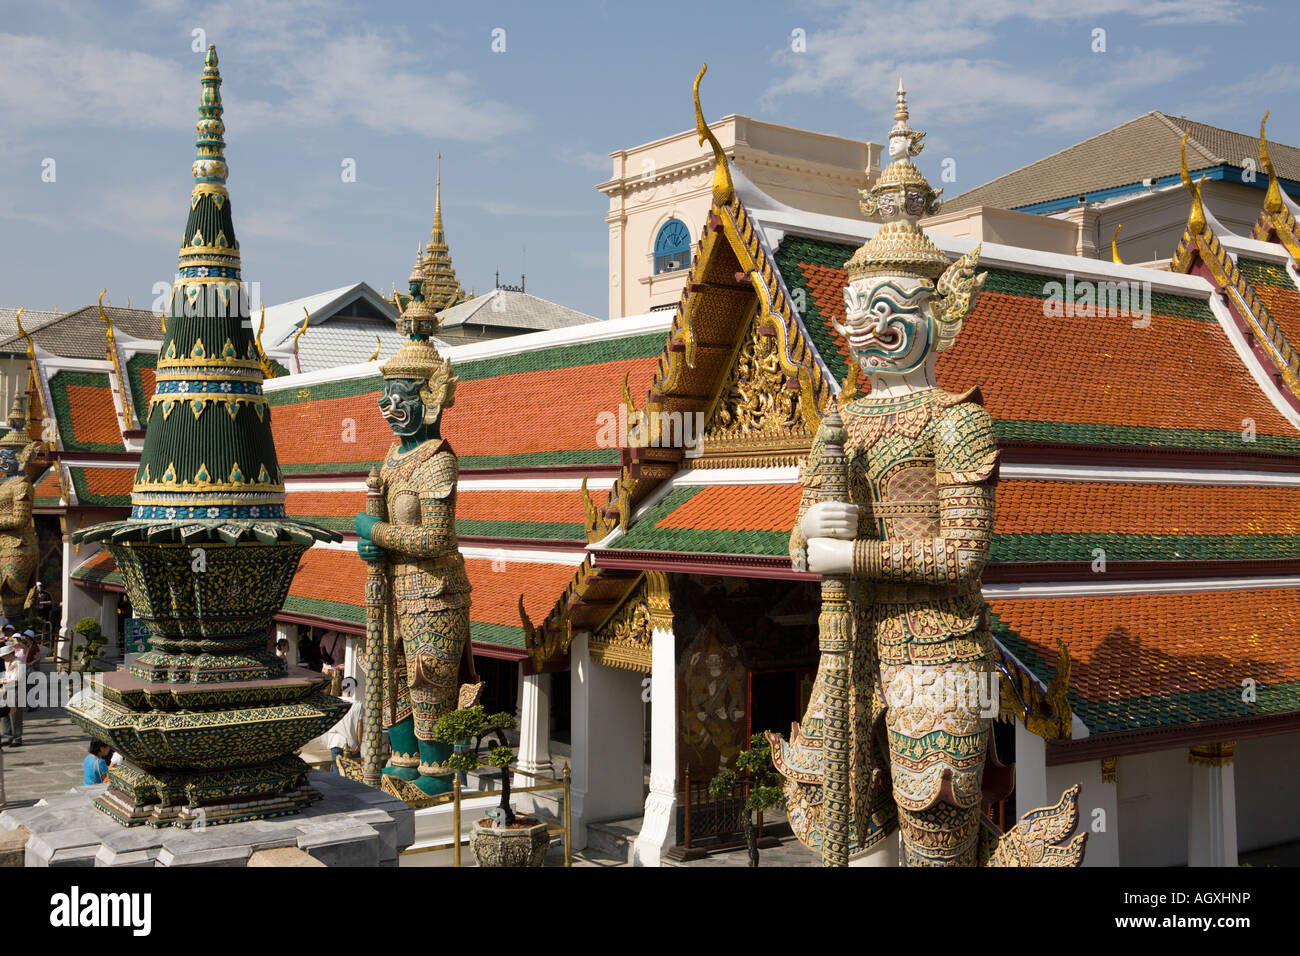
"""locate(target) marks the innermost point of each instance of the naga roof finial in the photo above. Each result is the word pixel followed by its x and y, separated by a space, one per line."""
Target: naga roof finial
pixel 1114 245
pixel 723 188
pixel 108 323
pixel 1196 218
pixel 1273 198
pixel 31 348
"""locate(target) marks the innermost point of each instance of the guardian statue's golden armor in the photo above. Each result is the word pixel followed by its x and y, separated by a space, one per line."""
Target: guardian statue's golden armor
pixel 911 540
pixel 427 607
pixel 18 549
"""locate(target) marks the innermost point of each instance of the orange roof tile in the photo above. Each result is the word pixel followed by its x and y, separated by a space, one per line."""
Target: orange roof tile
pixel 737 508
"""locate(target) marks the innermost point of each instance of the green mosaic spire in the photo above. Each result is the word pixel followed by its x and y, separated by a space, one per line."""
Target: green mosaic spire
pixel 208 720
pixel 208 451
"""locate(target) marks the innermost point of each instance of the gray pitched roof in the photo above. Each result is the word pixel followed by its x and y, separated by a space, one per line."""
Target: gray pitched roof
pixel 1145 147
pixel 32 319
pixel 514 311
pixel 80 333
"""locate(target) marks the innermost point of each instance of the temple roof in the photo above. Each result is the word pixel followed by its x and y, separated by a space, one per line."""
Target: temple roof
pixel 1143 148
pixel 508 310
pixel 79 333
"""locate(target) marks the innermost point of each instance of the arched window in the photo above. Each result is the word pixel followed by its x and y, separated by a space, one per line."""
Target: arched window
pixel 672 247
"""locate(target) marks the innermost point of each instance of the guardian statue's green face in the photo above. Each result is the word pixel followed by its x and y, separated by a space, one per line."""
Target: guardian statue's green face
pixel 402 406
pixel 8 463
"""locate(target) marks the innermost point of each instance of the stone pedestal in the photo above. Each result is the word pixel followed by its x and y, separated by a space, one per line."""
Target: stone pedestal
pixel 350 825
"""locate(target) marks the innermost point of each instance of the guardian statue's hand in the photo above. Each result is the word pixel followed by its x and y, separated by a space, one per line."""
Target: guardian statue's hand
pixel 830 519
pixel 830 556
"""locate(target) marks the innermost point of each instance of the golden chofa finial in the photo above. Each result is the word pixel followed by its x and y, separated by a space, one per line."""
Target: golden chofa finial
pixel 1114 246
pixel 306 317
pixel 1196 219
pixel 723 189
pixel 1273 198
pixel 108 332
pixel 378 346
pixel 268 370
pixel 31 348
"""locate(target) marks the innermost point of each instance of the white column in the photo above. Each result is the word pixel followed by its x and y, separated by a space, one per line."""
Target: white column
pixel 63 643
pixel 659 826
pixel 1031 773
pixel 290 632
pixel 108 625
pixel 1212 823
pixel 534 724
pixel 607 717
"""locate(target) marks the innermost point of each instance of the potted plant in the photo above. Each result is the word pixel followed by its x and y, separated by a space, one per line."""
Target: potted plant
pixel 92 641
pixel 753 766
pixel 503 838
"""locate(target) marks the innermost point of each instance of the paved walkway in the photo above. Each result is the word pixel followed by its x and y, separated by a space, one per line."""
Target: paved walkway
pixel 49 761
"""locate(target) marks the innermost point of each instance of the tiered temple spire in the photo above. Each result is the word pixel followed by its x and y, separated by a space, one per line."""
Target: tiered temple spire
pixel 441 287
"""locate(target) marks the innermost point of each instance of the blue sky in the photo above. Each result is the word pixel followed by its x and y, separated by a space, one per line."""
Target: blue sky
pixel 111 95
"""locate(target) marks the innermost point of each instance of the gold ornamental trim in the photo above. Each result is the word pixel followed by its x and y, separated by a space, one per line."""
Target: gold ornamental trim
pixel 1110 769
pixel 1212 755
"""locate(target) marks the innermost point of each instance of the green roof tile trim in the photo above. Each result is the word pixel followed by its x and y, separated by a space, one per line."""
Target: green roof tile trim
pixel 564 356
pixel 1265 273
pixel 358 467
pixel 1140 713
pixel 59 384
pixel 1144 547
pixel 86 497
pixel 348 388
pixel 1074 433
pixel 135 367
pixel 579 456
pixel 548 530
pixel 329 610
pixel 502 635
pixel 794 252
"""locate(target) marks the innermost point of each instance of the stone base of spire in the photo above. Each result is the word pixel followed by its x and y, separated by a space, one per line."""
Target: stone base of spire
pixel 203 798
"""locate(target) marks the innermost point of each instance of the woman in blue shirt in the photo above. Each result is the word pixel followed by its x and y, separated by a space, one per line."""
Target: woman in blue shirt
pixel 96 763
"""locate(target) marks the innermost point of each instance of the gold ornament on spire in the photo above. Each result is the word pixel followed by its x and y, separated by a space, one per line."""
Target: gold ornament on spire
pixel 108 323
pixel 31 347
pixel 1273 198
pixel 723 188
pixel 1196 218
pixel 306 317
pixel 896 200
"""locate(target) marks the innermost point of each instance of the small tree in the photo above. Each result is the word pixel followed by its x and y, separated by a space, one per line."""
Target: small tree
pixel 459 727
pixel 92 641
pixel 753 766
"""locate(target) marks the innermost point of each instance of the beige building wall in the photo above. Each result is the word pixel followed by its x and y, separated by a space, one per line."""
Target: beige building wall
pixel 671 178
pixel 990 224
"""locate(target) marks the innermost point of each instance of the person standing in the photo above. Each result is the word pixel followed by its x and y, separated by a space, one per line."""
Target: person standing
pixel 11 679
pixel 345 736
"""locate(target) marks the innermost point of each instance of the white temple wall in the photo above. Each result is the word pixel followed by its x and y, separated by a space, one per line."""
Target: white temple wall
pixel 1154 801
pixel 1268 791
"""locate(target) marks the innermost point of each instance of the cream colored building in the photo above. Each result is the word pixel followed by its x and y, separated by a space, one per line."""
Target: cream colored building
pixel 659 197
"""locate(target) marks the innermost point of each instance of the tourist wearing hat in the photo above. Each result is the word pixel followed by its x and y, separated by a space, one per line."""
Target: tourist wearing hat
pixel 11 724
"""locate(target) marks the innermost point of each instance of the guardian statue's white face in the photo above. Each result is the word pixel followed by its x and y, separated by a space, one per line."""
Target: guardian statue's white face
pixel 888 322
